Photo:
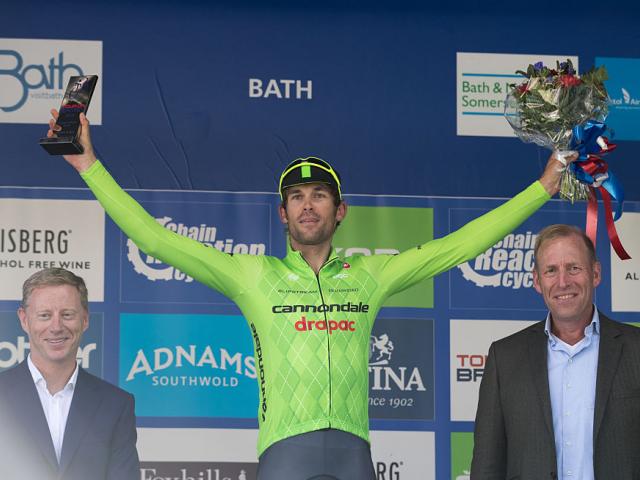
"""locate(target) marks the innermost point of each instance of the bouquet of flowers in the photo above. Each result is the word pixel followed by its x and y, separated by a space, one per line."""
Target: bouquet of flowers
pixel 558 109
pixel 552 105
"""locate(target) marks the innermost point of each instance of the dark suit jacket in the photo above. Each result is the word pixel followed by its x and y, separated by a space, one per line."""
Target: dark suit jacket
pixel 99 440
pixel 514 426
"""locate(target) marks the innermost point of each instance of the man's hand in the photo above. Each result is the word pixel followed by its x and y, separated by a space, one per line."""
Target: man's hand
pixel 84 160
pixel 557 163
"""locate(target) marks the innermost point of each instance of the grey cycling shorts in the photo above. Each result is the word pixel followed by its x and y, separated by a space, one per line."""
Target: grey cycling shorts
pixel 327 454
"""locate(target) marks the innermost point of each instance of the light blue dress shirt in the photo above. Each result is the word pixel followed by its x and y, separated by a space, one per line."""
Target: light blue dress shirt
pixel 572 371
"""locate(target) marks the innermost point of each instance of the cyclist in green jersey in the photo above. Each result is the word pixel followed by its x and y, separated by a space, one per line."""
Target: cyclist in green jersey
pixel 311 313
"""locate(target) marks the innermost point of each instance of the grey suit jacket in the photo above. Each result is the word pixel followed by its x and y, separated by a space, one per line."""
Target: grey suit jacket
pixel 514 427
pixel 99 440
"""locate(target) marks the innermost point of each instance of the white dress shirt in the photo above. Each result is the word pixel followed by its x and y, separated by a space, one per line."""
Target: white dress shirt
pixel 56 407
pixel 572 371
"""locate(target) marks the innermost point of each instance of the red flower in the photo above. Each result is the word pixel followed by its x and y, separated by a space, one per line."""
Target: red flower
pixel 569 80
pixel 522 89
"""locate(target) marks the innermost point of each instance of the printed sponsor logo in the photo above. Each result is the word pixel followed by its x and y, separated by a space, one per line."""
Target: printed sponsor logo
pixel 179 356
pixel 203 368
pixel 470 342
pixel 461 455
pixel 625 274
pixel 388 470
pixel 304 325
pixel 13 240
pixel 388 231
pixel 624 100
pixel 401 371
pixel 483 81
pixel 281 89
pixel 385 375
pixel 37 234
pixel 334 307
pixel 469 367
pixel 623 88
pixel 509 263
pixel 261 374
pixel 14 343
pixel 403 455
pixel 34 74
pixel 197 471
pixel 154 269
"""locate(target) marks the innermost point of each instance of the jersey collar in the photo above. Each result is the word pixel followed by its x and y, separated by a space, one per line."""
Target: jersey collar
pixel 296 261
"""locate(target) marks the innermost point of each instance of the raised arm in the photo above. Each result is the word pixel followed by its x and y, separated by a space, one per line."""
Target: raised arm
pixel 437 256
pixel 221 271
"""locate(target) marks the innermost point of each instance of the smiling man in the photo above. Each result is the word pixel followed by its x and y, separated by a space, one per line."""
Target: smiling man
pixel 561 399
pixel 58 421
pixel 310 313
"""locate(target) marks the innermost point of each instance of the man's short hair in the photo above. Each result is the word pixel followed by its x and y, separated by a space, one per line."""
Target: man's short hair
pixel 50 277
pixel 563 231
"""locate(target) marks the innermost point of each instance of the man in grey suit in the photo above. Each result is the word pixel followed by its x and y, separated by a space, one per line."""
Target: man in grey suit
pixel 561 399
pixel 56 420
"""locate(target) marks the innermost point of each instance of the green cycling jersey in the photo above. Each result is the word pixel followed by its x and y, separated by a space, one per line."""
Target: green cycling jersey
pixel 310 332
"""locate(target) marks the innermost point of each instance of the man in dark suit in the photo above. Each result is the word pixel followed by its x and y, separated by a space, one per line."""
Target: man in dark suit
pixel 56 420
pixel 561 399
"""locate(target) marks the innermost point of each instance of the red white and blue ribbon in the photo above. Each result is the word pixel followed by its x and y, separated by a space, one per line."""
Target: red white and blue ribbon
pixel 589 141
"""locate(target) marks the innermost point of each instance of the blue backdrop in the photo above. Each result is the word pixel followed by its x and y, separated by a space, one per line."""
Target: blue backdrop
pixel 203 97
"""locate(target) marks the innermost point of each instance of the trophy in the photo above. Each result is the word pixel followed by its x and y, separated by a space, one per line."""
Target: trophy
pixel 76 101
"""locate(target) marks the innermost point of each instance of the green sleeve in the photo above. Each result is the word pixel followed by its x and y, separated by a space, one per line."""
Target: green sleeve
pixel 218 270
pixel 437 256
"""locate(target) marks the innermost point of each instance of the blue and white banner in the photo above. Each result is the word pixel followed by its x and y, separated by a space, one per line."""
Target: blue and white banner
pixel 401 369
pixel 188 365
pixel 34 74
